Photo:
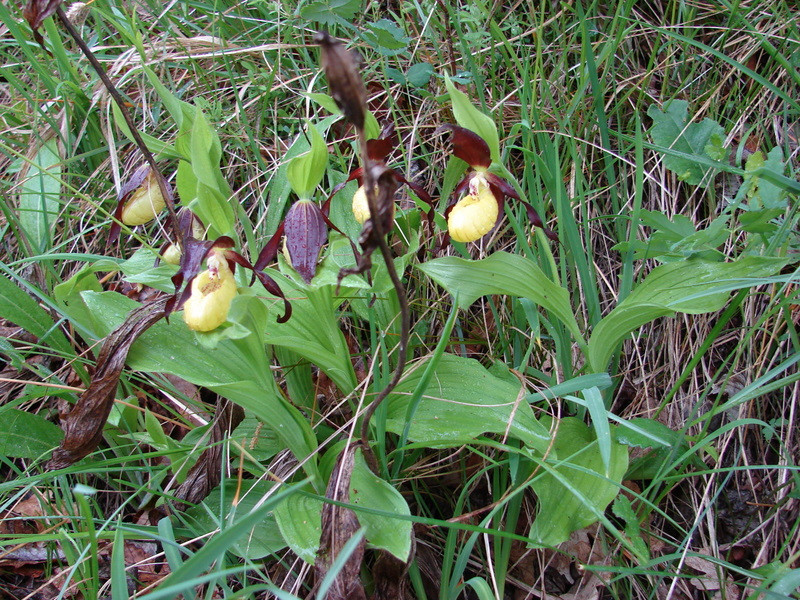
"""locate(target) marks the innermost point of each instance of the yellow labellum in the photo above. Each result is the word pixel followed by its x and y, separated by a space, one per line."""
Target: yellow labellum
pixel 144 204
pixel 213 291
pixel 360 205
pixel 475 214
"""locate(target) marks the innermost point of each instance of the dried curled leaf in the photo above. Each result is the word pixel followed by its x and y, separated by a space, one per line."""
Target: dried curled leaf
pixel 206 473
pixel 344 80
pixel 339 524
pixel 83 426
pixel 36 11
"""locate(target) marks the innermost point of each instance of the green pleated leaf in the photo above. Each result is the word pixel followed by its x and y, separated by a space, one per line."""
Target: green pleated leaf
pixel 382 531
pixel 502 273
pixel 692 286
pixel 22 310
pixel 263 538
pixel 461 402
pixel 299 519
pixel 237 369
pixel 574 493
pixel 39 196
pixel 26 435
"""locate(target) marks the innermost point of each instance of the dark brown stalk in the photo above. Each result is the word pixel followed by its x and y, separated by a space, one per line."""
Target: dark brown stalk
pixel 109 85
pixel 347 89
pixel 402 299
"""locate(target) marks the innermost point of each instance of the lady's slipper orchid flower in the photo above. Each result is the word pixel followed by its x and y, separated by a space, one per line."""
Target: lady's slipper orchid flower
pixel 208 293
pixel 213 291
pixel 378 151
pixel 139 200
pixel 474 215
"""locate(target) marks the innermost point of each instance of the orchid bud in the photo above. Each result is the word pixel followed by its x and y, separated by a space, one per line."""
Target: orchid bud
pixel 213 291
pixel 360 205
pixel 306 233
pixel 144 203
pixel 172 254
pixel 475 214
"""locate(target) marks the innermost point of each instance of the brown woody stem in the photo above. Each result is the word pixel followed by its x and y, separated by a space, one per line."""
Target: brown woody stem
pixel 402 298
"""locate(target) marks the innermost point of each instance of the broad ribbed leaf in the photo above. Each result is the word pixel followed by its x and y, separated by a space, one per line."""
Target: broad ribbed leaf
pixel 382 531
pixel 39 196
pixel 502 273
pixel 692 286
pixel 461 402
pixel 574 493
pixel 235 369
pixel 26 435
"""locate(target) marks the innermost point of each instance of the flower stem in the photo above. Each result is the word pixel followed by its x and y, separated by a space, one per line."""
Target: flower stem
pixel 402 298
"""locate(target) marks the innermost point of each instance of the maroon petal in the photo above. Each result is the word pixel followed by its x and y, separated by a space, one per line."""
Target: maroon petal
pixel 379 149
pixel 305 235
pixel 536 220
pixel 354 174
pixel 273 288
pixel 502 185
pixel 192 257
pixel 266 280
pixel 469 146
pixel 270 251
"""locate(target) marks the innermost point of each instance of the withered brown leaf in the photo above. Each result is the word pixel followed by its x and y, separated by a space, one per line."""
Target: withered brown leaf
pixel 36 11
pixel 83 426
pixel 339 524
pixel 206 473
pixel 344 80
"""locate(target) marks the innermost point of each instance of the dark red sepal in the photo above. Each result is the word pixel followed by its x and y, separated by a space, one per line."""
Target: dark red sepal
pixel 378 150
pixel 536 220
pixel 469 146
pixel 192 257
pixel 265 280
pixel 270 251
pixel 354 174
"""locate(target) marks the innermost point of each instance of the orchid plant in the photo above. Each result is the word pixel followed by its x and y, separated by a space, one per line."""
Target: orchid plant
pixel 231 333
